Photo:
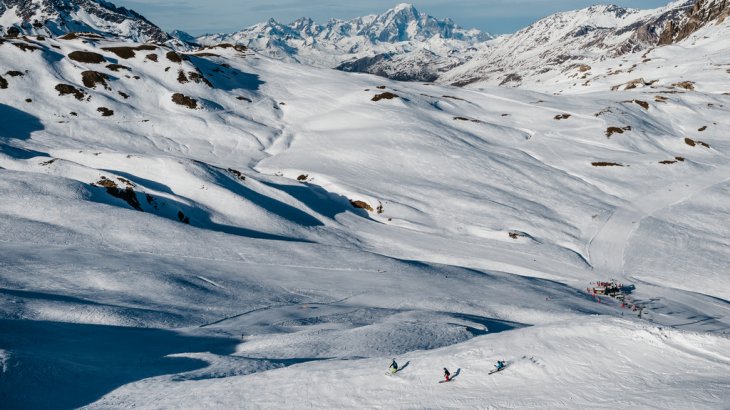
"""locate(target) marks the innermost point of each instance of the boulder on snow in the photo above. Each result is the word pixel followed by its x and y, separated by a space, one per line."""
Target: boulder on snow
pixel 87 57
pixel 92 78
pixel 184 100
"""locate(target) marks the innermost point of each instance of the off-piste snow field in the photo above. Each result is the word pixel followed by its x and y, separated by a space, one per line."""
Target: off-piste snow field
pixel 218 229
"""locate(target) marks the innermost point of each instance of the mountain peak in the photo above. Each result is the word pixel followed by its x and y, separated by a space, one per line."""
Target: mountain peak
pixel 404 7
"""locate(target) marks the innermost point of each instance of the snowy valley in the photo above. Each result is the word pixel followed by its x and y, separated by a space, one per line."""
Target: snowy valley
pixel 227 226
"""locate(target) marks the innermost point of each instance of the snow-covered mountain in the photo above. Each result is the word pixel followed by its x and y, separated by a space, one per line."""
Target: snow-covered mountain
pixel 555 47
pixel 401 43
pixel 58 17
pixel 214 228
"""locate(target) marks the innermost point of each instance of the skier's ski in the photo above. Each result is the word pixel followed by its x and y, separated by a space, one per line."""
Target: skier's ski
pixel 446 381
pixel 497 370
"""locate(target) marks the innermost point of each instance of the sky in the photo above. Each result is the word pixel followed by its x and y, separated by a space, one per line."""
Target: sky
pixel 224 16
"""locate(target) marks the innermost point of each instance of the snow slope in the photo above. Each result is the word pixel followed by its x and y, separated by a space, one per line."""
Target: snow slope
pixel 154 255
pixel 541 363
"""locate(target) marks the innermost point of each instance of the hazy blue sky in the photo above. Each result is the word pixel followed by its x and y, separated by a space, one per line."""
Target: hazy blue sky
pixel 213 16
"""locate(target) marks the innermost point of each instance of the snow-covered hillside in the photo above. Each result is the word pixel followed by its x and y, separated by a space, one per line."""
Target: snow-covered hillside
pixel 555 47
pixel 220 229
pixel 58 17
pixel 402 43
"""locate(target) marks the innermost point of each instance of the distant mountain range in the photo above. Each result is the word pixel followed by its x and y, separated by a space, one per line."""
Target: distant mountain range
pixel 403 43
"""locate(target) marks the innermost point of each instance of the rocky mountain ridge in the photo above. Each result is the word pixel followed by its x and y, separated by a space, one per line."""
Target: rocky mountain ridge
pixel 59 17
pixel 576 39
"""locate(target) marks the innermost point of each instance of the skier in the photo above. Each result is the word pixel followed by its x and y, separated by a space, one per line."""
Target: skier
pixel 447 375
pixel 499 365
pixel 393 367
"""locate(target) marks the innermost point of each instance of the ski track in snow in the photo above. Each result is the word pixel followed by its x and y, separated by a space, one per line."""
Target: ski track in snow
pixel 606 249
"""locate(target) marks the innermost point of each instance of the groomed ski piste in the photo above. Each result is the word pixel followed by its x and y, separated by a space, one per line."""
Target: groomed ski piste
pixel 212 257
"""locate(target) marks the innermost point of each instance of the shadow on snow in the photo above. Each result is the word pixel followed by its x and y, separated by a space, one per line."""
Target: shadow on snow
pixel 17 124
pixel 68 365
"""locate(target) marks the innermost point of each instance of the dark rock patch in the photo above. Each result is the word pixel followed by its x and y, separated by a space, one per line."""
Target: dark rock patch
pixel 129 52
pixel 606 164
pixel 687 85
pixel 198 78
pixel 384 96
pixel 105 112
pixel 237 47
pixel 87 57
pixel 175 57
pixel 692 143
pixel 616 130
pixel 121 52
pixel 517 235
pixel 75 34
pixel 127 194
pixel 13 73
pixel 451 97
pixel 92 78
pixel 466 119
pixel 12 32
pixel 205 54
pixel 630 85
pixel 642 104
pixel 237 174
pixel 69 36
pixel 181 77
pixel 362 205
pixel 65 89
pixel 118 67
pixel 26 47
pixel 184 100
